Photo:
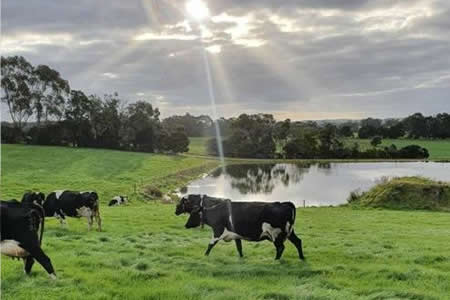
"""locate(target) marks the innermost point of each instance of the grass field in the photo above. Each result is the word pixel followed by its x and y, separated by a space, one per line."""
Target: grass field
pixel 438 149
pixel 144 251
pixel 197 145
pixel 109 172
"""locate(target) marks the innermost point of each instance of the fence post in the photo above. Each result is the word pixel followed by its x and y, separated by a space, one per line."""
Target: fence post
pixel 304 203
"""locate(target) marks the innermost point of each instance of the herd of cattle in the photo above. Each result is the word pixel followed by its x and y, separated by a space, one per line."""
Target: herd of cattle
pixel 22 223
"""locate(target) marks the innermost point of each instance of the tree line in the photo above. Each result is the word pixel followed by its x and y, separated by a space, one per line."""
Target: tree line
pixel 261 136
pixel 414 126
pixel 62 116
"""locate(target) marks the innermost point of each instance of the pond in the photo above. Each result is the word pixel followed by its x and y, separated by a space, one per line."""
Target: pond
pixel 318 184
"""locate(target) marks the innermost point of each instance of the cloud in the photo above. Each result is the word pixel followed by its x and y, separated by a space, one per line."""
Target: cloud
pixel 299 58
pixel 110 75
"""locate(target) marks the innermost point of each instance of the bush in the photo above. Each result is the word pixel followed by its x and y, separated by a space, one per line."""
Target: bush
pixel 413 151
pixel 376 140
pixel 50 134
pixel 11 134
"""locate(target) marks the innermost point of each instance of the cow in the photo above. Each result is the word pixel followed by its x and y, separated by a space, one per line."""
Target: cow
pixel 20 236
pixel 251 221
pixel 118 200
pixel 75 204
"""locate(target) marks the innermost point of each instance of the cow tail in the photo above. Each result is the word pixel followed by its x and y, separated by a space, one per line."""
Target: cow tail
pixel 293 212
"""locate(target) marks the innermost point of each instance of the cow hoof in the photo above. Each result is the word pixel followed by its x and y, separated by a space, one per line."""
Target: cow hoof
pixel 53 276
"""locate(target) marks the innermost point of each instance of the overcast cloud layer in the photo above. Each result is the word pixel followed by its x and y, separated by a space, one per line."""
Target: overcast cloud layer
pixel 299 59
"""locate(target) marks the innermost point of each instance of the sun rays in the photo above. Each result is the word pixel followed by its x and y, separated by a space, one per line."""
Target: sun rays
pixel 215 33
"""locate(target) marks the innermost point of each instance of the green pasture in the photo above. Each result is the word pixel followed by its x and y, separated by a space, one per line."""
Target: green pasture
pixel 145 252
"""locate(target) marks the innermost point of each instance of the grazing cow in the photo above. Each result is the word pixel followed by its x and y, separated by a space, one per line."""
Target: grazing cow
pixel 118 200
pixel 60 204
pixel 20 236
pixel 252 221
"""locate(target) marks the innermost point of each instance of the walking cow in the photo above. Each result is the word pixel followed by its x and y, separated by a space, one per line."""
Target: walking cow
pixel 60 204
pixel 20 236
pixel 252 221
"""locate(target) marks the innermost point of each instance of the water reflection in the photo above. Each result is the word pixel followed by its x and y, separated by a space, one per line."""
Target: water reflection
pixel 255 179
pixel 317 184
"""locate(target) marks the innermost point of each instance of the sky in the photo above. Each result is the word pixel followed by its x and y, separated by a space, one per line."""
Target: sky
pixel 302 59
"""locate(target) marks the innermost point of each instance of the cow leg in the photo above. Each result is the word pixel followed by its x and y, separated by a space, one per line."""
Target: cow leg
pixel 37 253
pixel 239 247
pixel 28 264
pixel 90 222
pixel 99 221
pixel 61 218
pixel 279 244
pixel 211 244
pixel 294 239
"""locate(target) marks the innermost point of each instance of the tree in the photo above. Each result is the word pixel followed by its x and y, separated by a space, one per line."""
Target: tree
pixel 281 131
pixel 376 140
pixel 251 136
pixel 416 125
pixel 142 120
pixel 176 141
pixel 394 131
pixel 106 120
pixel 50 91
pixel 345 131
pixel 328 140
pixel 77 118
pixel 17 75
pixel 193 126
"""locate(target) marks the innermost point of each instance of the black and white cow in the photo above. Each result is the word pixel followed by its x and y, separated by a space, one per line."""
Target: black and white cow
pixel 75 204
pixel 20 236
pixel 118 200
pixel 252 221
pixel 33 197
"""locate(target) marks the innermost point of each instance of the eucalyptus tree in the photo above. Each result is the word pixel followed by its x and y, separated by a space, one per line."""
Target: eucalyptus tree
pixel 105 117
pixel 50 92
pixel 77 111
pixel 17 77
pixel 143 126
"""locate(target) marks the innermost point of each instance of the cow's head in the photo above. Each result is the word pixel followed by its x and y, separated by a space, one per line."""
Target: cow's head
pixel 90 199
pixel 33 198
pixel 195 219
pixel 187 203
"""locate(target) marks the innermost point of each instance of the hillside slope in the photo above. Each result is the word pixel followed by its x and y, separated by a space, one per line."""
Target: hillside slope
pixel 407 193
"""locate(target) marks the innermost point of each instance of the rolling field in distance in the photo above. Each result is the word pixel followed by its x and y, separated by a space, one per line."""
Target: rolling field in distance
pixel 145 252
pixel 107 171
pixel 438 149
pixel 197 145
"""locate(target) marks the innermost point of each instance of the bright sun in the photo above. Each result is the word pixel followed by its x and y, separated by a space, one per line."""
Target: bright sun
pixel 197 9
